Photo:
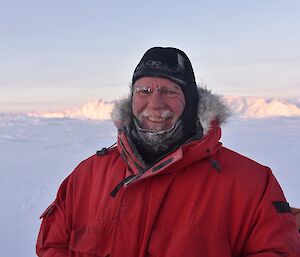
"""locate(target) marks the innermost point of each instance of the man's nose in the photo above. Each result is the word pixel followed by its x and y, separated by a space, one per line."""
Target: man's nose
pixel 155 100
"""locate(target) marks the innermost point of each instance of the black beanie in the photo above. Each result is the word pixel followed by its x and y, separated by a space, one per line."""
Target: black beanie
pixel 173 64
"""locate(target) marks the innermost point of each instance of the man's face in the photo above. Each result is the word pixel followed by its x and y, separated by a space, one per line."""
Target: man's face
pixel 157 103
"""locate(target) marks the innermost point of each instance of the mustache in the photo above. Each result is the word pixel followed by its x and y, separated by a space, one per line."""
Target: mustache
pixel 164 114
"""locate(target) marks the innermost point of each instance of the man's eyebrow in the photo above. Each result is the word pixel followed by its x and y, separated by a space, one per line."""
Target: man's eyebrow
pixel 172 85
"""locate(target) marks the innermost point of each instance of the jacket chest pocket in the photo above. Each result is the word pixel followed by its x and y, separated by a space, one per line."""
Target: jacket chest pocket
pixel 191 242
pixel 91 240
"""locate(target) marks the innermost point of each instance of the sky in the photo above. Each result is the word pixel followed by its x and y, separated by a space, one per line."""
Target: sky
pixel 56 54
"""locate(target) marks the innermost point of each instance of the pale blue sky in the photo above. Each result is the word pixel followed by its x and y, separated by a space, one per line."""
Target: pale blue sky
pixel 65 53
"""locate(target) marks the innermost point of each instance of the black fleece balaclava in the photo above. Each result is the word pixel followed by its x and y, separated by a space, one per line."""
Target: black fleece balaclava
pixel 173 64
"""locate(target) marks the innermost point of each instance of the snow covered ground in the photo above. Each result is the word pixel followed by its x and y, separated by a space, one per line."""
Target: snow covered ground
pixel 37 153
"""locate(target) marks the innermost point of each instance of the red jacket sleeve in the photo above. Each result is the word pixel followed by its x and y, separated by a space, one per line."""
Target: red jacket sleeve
pixel 274 231
pixel 53 238
pixel 296 213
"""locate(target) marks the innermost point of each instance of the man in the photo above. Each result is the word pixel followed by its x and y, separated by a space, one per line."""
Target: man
pixel 169 188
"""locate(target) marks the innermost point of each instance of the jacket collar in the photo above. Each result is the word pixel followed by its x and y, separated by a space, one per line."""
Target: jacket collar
pixel 183 156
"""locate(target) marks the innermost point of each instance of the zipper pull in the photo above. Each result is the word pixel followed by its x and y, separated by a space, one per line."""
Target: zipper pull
pixel 123 182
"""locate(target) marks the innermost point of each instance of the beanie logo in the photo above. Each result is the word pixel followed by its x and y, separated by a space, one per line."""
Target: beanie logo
pixel 154 63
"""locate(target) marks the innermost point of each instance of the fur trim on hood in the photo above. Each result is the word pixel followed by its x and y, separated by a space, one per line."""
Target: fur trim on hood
pixel 210 108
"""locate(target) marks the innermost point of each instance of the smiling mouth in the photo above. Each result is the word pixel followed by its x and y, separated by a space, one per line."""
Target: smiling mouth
pixel 156 119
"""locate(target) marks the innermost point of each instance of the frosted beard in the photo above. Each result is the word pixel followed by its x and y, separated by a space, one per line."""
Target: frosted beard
pixel 156 141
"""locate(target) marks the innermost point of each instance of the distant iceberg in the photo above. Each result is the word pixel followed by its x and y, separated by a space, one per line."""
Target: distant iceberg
pixel 259 107
pixel 95 110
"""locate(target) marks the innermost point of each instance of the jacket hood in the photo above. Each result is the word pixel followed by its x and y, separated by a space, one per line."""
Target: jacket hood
pixel 210 108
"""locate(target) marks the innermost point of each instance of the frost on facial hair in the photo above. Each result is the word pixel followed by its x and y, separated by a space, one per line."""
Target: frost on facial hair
pixel 161 115
pixel 160 140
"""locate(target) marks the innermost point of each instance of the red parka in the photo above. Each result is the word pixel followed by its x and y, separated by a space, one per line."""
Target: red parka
pixel 201 200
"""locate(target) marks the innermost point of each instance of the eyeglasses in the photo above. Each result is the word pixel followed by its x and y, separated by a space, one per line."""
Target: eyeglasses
pixel 163 91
